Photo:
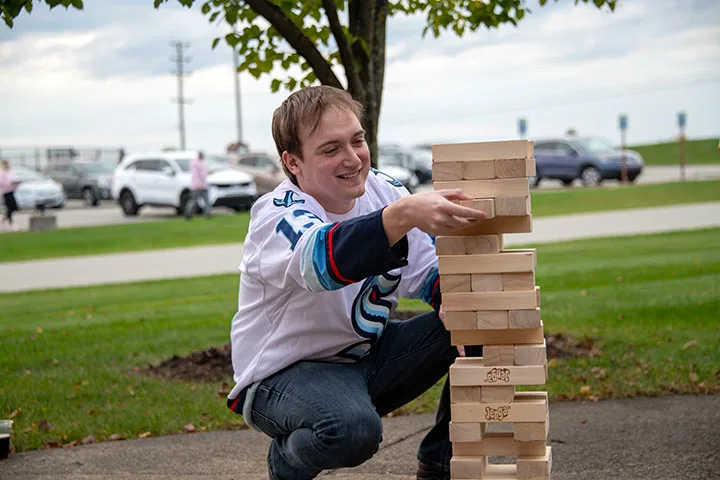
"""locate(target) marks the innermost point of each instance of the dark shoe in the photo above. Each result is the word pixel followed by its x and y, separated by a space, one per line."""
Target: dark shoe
pixel 426 473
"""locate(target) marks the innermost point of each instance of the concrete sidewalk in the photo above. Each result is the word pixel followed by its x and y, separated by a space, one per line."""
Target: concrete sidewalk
pixel 665 438
pixel 222 259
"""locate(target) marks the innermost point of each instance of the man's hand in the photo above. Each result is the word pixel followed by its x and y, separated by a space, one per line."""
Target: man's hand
pixel 432 212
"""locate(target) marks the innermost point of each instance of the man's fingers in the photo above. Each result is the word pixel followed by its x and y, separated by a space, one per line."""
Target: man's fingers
pixel 454 194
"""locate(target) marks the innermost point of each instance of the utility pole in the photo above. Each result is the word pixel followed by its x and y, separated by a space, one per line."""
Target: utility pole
pixel 238 110
pixel 180 62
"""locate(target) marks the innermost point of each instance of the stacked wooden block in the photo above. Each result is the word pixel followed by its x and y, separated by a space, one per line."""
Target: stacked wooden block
pixel 489 298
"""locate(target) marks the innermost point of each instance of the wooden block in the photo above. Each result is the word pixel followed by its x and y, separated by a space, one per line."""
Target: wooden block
pixel 500 187
pixel 463 375
pixel 524 318
pixel 531 431
pixel 450 245
pixel 453 152
pixel 496 394
pixel 500 472
pixel 505 262
pixel 522 224
pixel 522 250
pixel 448 171
pixel 492 319
pixel 521 410
pixel 460 320
pixel 468 467
pixel 464 301
pixel 486 205
pixel 466 394
pixel 498 444
pixel 486 282
pixel 512 281
pixel 467 432
pixel 537 295
pixel 482 244
pixel 455 283
pixel 531 168
pixel 512 206
pixel 518 336
pixel 511 168
pixel 535 467
pixel 498 355
pixel 478 170
pixel 530 354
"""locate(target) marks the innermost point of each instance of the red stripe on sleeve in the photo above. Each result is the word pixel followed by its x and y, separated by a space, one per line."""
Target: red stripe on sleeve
pixel 332 257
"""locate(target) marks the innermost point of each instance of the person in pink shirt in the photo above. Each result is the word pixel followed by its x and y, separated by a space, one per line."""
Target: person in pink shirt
pixel 7 189
pixel 199 185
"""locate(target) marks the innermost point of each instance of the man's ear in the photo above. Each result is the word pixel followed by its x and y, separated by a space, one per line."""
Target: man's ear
pixel 292 162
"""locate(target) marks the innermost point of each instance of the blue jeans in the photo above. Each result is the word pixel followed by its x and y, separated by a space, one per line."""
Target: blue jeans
pixel 327 415
pixel 199 198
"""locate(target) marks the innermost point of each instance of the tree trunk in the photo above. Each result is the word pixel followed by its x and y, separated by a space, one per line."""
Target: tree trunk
pixel 367 20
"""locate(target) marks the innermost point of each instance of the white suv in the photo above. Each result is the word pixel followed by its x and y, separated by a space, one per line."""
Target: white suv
pixel 163 179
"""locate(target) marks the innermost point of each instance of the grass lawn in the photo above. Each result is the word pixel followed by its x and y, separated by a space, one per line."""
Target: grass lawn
pixel 233 228
pixel 71 357
pixel 696 152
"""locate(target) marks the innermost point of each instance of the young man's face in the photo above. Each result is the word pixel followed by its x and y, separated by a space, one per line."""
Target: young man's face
pixel 335 160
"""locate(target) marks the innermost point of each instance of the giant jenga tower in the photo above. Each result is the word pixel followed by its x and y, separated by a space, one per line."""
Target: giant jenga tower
pixel 490 298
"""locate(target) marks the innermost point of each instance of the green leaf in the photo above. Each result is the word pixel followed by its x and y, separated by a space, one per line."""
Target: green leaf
pixel 77 4
pixel 275 85
pixel 205 9
pixel 215 43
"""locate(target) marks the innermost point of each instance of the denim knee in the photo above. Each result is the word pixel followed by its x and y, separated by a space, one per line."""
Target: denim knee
pixel 353 439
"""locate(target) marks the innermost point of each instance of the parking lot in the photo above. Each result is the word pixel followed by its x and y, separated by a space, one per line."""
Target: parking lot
pixel 108 213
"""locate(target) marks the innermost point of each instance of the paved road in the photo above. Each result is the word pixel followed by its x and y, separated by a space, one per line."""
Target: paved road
pixel 108 213
pixel 219 259
pixel 669 438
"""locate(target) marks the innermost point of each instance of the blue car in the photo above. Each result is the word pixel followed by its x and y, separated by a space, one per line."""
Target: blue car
pixel 590 159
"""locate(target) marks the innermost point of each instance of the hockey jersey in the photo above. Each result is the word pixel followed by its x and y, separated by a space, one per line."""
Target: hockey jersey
pixel 320 286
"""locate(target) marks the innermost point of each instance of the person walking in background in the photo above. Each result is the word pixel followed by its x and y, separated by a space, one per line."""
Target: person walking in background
pixel 7 189
pixel 199 185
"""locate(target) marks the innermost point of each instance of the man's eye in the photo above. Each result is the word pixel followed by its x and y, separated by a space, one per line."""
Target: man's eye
pixel 330 151
pixel 359 141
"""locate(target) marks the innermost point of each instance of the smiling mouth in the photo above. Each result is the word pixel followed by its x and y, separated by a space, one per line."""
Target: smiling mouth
pixel 349 176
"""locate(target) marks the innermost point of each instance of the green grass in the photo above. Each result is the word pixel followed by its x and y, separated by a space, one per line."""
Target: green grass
pixel 130 237
pixel 703 151
pixel 70 357
pixel 230 229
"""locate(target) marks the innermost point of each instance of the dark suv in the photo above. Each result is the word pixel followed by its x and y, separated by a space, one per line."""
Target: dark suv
pixel 590 159
pixel 88 181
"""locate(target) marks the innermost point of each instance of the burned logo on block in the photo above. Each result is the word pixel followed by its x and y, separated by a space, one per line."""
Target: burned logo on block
pixel 495 375
pixel 497 414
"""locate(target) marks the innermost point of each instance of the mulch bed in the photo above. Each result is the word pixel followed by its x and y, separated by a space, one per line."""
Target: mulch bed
pixel 215 364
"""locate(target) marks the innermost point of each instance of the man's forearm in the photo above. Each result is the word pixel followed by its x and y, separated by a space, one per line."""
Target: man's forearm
pixel 396 221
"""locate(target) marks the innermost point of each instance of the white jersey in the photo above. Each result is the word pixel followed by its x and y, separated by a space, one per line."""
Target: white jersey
pixel 319 286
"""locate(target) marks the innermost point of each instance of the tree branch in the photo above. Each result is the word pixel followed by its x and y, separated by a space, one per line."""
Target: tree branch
pixel 297 40
pixel 348 59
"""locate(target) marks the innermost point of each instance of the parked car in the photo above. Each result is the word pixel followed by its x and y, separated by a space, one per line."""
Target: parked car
pixel 416 160
pixel 87 181
pixel 590 159
pixel 163 179
pixel 35 190
pixel 392 165
pixel 264 168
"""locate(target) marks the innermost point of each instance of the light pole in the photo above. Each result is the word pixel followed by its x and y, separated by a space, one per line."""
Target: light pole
pixel 238 109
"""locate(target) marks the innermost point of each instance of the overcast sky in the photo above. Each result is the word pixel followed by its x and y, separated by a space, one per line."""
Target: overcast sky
pixel 102 77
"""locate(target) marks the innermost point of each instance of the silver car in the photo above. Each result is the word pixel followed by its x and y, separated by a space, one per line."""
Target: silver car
pixel 36 190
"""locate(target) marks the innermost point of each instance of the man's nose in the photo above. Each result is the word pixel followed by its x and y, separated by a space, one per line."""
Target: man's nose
pixel 351 157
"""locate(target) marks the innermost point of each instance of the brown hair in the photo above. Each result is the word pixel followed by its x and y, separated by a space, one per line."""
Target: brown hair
pixel 304 108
